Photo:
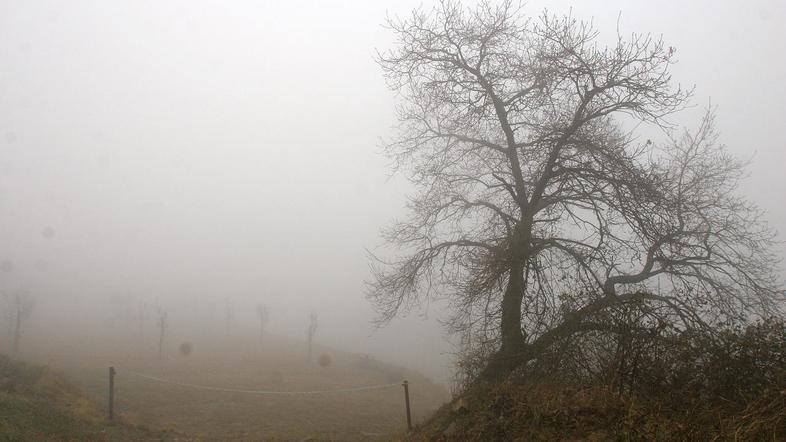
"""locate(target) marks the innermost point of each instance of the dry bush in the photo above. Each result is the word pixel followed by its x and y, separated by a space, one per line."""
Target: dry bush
pixel 471 361
pixel 186 348
pixel 324 360
pixel 642 382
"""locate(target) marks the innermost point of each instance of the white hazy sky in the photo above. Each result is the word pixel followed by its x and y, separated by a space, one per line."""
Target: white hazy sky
pixel 228 150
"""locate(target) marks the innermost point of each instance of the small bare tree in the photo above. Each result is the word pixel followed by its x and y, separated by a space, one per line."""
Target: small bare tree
pixel 19 307
pixel 8 315
pixel 263 312
pixel 310 332
pixel 163 324
pixel 142 317
pixel 228 314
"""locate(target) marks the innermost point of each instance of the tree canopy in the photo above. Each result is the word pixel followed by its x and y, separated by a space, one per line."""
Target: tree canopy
pixel 539 206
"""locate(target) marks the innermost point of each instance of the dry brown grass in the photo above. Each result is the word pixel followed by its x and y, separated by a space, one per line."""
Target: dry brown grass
pixel 552 409
pixel 239 361
pixel 38 404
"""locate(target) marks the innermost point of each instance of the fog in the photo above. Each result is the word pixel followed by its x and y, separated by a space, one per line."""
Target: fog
pixel 199 155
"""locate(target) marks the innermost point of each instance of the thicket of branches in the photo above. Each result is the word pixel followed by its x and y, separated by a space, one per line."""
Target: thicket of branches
pixel 643 383
pixel 539 212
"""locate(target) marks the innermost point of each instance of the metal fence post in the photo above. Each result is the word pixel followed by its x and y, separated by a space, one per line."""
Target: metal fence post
pixel 111 393
pixel 406 402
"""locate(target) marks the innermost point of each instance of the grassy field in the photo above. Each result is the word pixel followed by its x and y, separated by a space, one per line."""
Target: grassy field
pixel 37 404
pixel 238 361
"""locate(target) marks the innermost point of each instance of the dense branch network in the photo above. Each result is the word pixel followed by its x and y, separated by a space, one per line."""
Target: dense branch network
pixel 536 211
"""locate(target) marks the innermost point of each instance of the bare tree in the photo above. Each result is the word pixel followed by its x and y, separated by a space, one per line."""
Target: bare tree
pixel 228 314
pixel 263 312
pixel 538 209
pixel 19 307
pixel 142 317
pixel 311 331
pixel 162 322
pixel 8 315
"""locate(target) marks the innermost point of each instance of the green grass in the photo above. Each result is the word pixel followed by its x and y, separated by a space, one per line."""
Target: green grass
pixel 39 405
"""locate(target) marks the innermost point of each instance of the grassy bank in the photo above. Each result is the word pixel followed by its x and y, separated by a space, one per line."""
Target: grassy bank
pixel 37 404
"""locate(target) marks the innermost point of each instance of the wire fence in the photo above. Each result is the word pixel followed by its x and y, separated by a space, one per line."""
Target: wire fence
pixel 113 373
pixel 241 390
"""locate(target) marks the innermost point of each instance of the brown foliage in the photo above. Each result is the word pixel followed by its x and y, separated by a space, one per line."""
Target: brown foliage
pixel 694 385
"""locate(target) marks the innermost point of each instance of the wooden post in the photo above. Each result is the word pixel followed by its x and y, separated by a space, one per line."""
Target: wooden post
pixel 111 393
pixel 406 402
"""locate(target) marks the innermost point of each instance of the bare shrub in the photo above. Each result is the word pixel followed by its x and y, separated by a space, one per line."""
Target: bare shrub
pixel 185 348
pixel 324 360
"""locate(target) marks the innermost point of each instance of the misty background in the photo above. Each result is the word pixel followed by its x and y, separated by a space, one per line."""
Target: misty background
pixel 201 154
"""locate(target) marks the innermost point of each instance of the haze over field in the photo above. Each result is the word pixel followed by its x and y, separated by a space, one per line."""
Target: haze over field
pixel 219 155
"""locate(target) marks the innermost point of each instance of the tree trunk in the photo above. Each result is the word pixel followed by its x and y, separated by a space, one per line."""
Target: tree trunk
pixel 513 345
pixel 17 331
pixel 510 327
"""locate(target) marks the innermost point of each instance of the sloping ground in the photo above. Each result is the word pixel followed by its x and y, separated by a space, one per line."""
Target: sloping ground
pixel 37 404
pixel 516 410
pixel 240 361
pixel 727 384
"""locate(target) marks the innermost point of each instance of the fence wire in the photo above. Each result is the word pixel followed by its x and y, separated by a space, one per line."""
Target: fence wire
pixel 240 390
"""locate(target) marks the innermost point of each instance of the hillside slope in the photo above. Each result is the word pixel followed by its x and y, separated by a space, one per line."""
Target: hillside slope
pixel 518 409
pixel 217 389
pixel 37 404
